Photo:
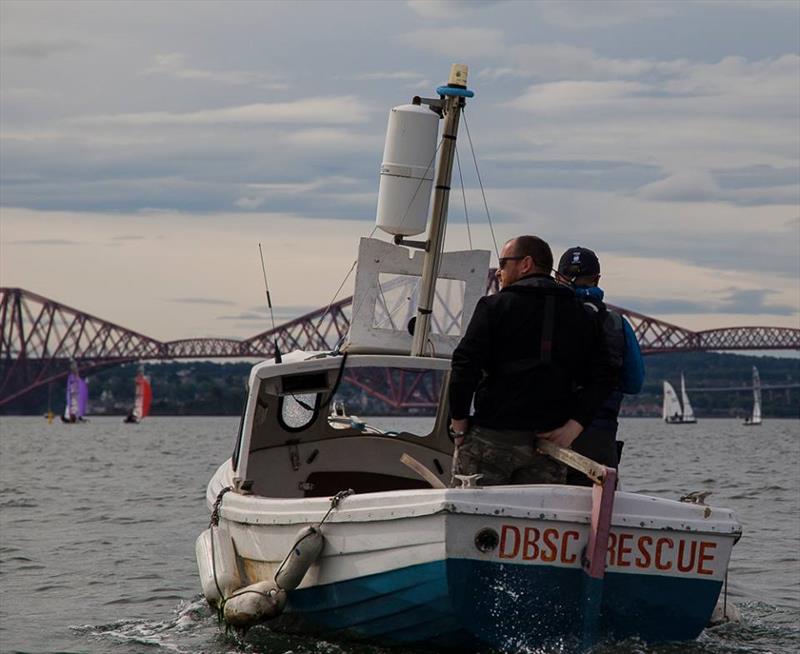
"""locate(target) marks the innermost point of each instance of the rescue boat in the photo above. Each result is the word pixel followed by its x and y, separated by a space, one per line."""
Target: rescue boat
pixel 324 522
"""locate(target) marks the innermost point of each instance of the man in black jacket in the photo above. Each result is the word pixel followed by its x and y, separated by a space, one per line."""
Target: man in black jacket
pixel 525 352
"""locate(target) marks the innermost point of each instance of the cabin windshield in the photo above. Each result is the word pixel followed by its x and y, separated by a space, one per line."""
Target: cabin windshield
pixel 330 425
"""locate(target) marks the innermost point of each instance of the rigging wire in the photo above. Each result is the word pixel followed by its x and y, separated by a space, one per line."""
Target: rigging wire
pixel 464 197
pixel 374 229
pixel 357 307
pixel 338 290
pixel 480 182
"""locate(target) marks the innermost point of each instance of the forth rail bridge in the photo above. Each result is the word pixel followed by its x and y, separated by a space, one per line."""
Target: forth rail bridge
pixel 40 338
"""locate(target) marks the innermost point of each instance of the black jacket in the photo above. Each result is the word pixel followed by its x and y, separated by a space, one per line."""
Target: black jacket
pixel 499 360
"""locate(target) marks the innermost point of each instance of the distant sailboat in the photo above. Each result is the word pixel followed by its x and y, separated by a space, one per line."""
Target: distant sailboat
pixel 673 413
pixel 141 403
pixel 77 398
pixel 755 418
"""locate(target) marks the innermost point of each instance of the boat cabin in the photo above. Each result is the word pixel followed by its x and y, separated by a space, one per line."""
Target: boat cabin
pixel 309 428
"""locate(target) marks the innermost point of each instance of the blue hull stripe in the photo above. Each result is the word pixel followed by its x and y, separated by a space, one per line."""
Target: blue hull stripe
pixel 502 604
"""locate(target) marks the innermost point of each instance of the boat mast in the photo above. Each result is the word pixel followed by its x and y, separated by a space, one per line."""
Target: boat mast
pixel 453 100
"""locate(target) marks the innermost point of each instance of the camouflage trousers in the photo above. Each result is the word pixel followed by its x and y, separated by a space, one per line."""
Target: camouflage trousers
pixel 504 456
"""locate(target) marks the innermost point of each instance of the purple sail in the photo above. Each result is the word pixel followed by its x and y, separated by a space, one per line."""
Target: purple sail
pixel 83 397
pixel 72 407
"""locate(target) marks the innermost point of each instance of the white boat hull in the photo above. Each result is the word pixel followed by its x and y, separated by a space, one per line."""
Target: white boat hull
pixel 403 566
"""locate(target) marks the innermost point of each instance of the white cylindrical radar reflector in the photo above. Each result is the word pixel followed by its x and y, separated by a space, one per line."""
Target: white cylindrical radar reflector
pixel 407 170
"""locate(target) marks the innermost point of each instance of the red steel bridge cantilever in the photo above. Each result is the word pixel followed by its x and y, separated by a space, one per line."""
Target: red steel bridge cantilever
pixel 39 337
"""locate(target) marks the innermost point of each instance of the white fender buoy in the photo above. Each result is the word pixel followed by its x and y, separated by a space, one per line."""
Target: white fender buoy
pixel 255 603
pixel 307 547
pixel 216 558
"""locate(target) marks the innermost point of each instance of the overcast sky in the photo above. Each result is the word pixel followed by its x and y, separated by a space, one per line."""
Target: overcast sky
pixel 147 148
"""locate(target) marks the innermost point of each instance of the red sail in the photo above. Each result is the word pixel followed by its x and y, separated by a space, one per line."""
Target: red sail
pixel 147 397
pixel 144 396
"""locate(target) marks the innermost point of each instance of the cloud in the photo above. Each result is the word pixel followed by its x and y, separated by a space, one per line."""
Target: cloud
pixel 593 14
pixel 577 97
pixel 734 301
pixel 692 116
pixel 36 49
pixel 173 65
pixel 325 111
pixel 686 186
pixel 45 241
pixel 387 75
pixel 701 186
pixel 128 237
pixel 200 300
pixel 257 195
pixel 715 238
pixel 327 137
pixel 261 314
pixel 447 9
pixel 562 60
pixel 246 315
pixel 522 168
pixel 27 93
pixel 449 41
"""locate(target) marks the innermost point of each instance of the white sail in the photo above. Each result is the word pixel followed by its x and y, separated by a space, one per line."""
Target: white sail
pixel 756 418
pixel 672 408
pixel 688 412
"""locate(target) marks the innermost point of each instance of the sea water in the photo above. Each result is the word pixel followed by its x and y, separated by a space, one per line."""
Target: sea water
pixel 98 523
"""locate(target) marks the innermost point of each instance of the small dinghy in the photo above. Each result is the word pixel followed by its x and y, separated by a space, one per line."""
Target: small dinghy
pixel 677 412
pixel 329 524
pixel 141 401
pixel 77 397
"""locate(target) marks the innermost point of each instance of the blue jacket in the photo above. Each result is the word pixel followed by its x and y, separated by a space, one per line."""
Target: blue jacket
pixel 632 371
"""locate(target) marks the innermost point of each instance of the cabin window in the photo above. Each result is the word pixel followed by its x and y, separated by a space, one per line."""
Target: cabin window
pixel 385 401
pixel 398 298
pixel 298 411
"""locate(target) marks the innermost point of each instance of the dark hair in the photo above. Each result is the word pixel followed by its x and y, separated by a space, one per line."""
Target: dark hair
pixel 537 249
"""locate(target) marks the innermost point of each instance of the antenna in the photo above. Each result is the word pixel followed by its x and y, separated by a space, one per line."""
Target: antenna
pixel 269 304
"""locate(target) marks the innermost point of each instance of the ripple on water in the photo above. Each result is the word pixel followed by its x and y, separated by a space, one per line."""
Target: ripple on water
pixel 189 631
pixel 18 503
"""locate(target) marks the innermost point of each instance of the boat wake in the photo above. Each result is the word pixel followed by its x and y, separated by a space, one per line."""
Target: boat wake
pixel 194 629
pixel 182 633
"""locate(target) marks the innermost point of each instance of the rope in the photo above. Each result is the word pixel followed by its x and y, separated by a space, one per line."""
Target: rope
pixel 217 504
pixel 725 597
pixel 338 290
pixel 480 182
pixel 374 229
pixel 214 522
pixel 335 501
pixel 464 197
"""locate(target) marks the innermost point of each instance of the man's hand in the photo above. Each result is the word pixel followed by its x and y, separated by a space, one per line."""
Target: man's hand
pixel 458 428
pixel 563 435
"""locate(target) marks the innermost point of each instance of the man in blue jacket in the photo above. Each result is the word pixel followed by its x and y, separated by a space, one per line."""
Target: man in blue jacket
pixel 580 268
